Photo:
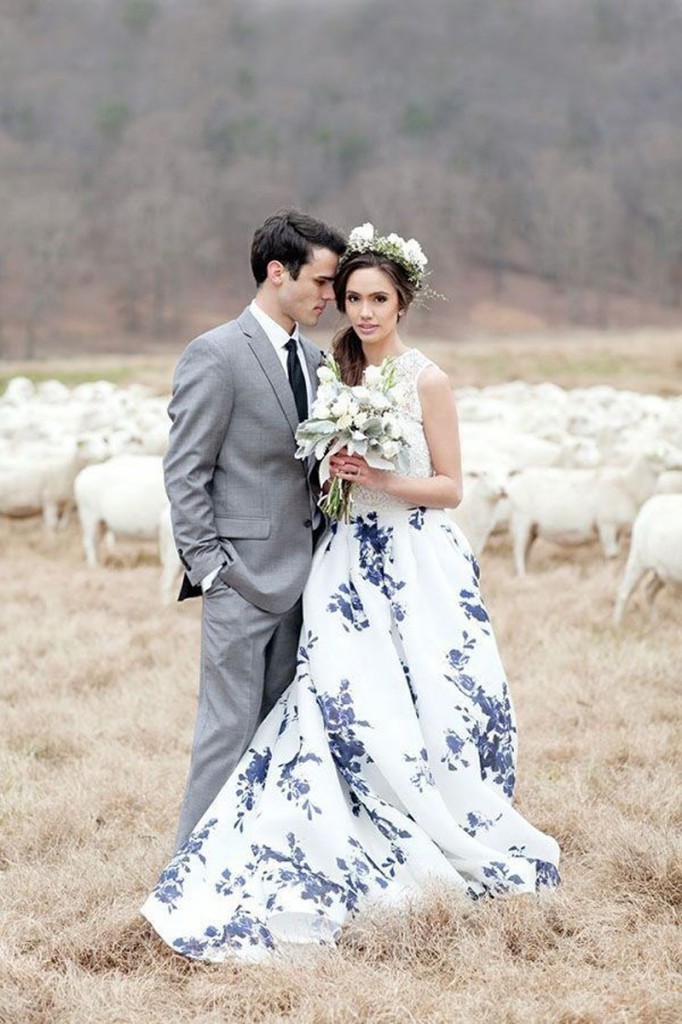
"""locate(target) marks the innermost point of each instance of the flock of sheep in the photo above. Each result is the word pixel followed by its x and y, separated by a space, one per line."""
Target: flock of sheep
pixel 540 461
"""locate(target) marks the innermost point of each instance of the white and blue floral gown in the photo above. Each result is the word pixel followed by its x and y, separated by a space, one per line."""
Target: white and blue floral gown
pixel 388 763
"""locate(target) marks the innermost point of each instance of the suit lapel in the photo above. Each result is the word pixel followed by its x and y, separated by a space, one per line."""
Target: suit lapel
pixel 313 359
pixel 262 348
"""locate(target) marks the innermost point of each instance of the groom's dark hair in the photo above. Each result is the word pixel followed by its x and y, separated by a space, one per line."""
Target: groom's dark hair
pixel 290 237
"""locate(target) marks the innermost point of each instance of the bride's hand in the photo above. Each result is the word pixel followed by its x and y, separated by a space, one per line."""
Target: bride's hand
pixel 355 469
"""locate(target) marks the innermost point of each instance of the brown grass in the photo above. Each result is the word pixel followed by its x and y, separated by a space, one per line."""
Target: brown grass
pixel 97 691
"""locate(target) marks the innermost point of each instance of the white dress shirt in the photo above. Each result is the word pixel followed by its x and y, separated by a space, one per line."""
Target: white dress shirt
pixel 278 338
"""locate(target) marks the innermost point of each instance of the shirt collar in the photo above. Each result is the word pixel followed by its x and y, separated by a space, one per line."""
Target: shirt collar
pixel 277 335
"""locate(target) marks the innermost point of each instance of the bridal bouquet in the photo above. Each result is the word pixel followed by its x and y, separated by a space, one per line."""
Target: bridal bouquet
pixel 364 419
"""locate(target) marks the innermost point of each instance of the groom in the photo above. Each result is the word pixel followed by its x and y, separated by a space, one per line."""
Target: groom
pixel 242 506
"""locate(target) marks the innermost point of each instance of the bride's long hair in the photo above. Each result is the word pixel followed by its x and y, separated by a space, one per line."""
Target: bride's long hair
pixel 346 346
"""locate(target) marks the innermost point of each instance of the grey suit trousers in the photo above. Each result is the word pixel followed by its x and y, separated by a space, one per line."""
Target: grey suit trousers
pixel 240 645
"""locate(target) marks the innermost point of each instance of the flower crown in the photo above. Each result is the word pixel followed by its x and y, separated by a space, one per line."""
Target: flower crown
pixel 408 254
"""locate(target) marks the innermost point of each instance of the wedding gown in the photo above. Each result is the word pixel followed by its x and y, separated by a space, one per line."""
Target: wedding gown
pixel 388 763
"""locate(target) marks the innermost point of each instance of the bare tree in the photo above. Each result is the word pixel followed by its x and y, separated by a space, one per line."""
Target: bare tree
pixel 45 239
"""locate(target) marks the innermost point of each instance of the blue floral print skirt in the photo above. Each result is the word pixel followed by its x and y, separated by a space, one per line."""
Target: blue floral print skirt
pixel 388 763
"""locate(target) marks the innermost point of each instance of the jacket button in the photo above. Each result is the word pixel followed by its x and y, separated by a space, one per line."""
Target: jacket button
pixel 307 523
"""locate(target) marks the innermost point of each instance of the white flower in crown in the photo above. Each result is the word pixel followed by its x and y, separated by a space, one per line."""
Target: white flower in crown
pixel 362 234
pixel 414 253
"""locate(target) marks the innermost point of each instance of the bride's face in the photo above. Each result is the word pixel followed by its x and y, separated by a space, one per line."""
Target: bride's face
pixel 372 305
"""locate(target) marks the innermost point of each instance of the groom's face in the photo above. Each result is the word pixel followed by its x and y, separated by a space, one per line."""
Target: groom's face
pixel 305 299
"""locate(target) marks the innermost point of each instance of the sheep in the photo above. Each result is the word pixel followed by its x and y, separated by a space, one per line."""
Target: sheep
pixel 170 561
pixel 500 449
pixel 19 391
pixel 53 392
pixel 570 506
pixel 124 495
pixel 656 547
pixel 579 453
pixel 670 482
pixel 475 515
pixel 39 478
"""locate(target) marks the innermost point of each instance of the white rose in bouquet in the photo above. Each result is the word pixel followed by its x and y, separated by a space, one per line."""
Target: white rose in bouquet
pixel 391 426
pixel 341 405
pixel 361 394
pixel 372 376
pixel 390 449
pixel 380 402
pixel 326 394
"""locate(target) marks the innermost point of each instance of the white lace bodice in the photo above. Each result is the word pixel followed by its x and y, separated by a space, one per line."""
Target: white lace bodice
pixel 408 367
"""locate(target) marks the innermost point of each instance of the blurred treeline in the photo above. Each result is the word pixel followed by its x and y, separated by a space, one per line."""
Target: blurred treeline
pixel 142 140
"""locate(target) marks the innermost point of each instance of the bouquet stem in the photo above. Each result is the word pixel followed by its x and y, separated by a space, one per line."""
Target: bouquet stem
pixel 338 501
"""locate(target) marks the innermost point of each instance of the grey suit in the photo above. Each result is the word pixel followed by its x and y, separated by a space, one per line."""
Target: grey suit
pixel 240 500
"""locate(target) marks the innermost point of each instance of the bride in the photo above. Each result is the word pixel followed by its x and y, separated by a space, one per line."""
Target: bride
pixel 390 760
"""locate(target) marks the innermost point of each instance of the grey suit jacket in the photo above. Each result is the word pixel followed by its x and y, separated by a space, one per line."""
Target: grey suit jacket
pixel 238 496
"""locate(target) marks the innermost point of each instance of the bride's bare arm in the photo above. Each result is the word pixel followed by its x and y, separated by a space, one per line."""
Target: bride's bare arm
pixel 444 489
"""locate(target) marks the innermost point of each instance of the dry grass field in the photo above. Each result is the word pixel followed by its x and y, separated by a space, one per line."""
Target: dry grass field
pixel 97 697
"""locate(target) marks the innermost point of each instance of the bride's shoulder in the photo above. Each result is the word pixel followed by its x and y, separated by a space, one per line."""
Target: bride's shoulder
pixel 435 391
pixel 412 364
pixel 432 380
pixel 423 382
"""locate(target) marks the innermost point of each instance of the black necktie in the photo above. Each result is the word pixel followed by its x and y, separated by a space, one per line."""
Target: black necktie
pixel 297 380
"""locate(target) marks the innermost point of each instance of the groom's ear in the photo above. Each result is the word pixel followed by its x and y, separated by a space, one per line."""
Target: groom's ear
pixel 276 272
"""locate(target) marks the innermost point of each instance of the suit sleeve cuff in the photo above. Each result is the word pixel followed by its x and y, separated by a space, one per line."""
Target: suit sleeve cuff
pixel 208 580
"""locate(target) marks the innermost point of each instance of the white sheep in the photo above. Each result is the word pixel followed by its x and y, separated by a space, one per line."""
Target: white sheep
pixel 571 506
pixel 53 392
pixel 475 515
pixel 125 496
pixel 39 478
pixel 670 482
pixel 19 391
pixel 656 548
pixel 500 449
